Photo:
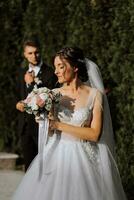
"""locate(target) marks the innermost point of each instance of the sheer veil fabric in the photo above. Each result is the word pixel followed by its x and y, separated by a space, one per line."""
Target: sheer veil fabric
pixel 95 81
pixel 109 169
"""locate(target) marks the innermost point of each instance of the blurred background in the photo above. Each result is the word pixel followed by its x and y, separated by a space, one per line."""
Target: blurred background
pixel 104 29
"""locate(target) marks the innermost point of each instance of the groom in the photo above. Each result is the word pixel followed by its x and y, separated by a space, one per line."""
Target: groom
pixel 40 74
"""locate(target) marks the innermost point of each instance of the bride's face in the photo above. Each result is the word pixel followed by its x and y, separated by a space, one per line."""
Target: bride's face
pixel 64 71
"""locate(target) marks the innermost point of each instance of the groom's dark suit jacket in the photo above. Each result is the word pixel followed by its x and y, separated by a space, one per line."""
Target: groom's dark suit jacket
pixel 48 78
pixel 27 127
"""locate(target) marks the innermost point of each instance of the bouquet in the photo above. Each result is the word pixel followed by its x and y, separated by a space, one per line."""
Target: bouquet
pixel 47 98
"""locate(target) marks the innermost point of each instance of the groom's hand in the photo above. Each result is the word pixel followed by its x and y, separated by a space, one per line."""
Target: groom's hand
pixel 20 106
pixel 29 77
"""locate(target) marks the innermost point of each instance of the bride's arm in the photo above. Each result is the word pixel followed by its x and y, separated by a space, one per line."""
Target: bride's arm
pixel 91 133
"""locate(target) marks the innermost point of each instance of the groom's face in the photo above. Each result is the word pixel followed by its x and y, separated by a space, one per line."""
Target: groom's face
pixel 32 55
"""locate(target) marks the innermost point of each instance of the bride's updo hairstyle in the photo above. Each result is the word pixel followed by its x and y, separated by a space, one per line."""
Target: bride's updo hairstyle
pixel 75 58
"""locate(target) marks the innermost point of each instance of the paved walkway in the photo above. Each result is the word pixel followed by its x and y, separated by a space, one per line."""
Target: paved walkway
pixel 9 181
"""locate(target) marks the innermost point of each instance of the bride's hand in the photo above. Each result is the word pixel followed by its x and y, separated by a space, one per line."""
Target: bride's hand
pixel 50 116
pixel 52 125
pixel 52 122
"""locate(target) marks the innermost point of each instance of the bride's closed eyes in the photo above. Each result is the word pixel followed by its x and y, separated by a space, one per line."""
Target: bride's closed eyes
pixel 60 66
pixel 60 69
pixel 63 70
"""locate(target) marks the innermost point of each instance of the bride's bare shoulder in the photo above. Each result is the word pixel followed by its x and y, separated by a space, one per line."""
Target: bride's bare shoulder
pixel 87 88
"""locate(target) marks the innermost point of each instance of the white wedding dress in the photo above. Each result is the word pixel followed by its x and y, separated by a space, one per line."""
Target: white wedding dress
pixel 72 169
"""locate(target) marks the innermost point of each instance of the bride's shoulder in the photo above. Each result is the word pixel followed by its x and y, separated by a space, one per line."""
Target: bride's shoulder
pixel 93 91
pixel 87 88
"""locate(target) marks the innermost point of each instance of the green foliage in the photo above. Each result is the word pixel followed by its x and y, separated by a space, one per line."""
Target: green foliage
pixel 121 68
pixel 103 29
pixel 10 14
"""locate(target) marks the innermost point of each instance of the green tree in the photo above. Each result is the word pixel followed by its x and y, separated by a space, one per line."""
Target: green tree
pixel 10 14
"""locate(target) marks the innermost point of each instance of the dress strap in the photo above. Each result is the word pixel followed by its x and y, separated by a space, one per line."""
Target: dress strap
pixel 92 97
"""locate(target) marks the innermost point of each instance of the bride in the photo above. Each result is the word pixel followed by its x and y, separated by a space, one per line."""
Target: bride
pixel 78 159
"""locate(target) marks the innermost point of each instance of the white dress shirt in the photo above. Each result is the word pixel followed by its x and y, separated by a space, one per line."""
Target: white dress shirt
pixel 35 68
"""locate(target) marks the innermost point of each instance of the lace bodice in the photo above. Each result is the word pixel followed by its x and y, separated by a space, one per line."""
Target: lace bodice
pixel 77 116
pixel 80 117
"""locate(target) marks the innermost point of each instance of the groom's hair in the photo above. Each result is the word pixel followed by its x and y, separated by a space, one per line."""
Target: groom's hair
pixel 31 41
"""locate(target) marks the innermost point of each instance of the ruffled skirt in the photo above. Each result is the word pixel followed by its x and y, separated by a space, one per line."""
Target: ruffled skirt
pixel 72 170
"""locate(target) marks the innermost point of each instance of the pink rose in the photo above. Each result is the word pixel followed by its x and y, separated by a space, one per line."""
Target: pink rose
pixel 40 102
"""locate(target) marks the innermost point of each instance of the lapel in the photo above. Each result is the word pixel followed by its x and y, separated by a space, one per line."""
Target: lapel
pixel 24 70
pixel 40 71
pixel 43 71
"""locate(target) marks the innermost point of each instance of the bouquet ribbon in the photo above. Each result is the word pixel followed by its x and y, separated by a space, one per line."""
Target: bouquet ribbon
pixel 42 140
